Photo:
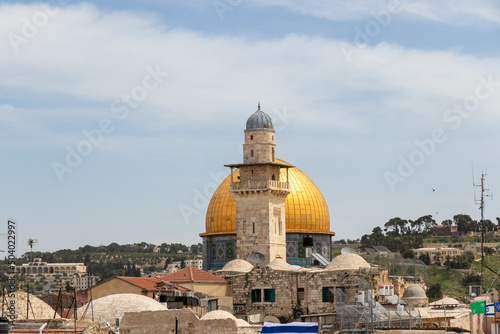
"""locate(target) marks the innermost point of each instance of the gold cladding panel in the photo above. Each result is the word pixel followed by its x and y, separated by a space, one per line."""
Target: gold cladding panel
pixel 306 209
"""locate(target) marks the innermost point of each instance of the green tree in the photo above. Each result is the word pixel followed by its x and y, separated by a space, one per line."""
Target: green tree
pixel 409 254
pixel 435 291
pixel 425 258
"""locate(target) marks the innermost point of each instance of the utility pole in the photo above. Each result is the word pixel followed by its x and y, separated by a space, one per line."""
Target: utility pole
pixel 480 202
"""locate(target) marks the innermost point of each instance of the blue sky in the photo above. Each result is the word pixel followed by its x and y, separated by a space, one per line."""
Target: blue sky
pixel 116 117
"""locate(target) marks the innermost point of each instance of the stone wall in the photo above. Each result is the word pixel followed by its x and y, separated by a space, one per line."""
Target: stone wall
pixel 187 323
pixel 294 291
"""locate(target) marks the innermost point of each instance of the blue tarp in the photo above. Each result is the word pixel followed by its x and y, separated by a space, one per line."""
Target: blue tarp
pixel 291 328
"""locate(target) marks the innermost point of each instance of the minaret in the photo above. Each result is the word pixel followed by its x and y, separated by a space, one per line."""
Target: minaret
pixel 259 193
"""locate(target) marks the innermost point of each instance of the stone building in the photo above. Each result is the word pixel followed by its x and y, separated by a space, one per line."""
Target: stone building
pixel 443 231
pixel 263 181
pixel 439 253
pixel 38 267
pixel 283 291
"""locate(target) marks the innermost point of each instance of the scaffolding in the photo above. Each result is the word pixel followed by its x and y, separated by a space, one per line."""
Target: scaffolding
pixel 367 315
pixel 381 258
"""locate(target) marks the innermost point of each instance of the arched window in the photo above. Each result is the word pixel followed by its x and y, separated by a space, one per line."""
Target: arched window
pixel 273 177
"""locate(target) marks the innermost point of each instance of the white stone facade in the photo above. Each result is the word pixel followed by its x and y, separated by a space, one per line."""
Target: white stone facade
pixel 37 267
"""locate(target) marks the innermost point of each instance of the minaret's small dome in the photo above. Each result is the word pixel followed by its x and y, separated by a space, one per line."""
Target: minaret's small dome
pixel 259 121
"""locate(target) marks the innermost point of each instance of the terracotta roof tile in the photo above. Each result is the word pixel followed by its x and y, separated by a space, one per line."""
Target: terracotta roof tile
pixel 146 283
pixel 191 274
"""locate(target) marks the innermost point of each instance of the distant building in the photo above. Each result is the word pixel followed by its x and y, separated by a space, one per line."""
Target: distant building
pixel 84 282
pixel 438 253
pixel 173 267
pixel 443 231
pixel 196 263
pixel 38 267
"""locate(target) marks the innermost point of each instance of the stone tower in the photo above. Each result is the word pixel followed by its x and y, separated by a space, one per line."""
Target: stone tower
pixel 259 193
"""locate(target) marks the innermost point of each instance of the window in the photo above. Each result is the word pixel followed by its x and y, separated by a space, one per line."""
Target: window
pixel 239 308
pixel 328 296
pixel 263 295
pixel 213 305
pixel 300 294
pixel 251 137
pixel 251 153
pixel 253 228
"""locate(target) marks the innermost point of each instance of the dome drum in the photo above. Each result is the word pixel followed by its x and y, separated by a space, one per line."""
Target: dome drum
pixel 220 249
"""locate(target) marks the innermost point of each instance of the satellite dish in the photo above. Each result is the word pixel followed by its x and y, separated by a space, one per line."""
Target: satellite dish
pixel 348 250
pixel 257 257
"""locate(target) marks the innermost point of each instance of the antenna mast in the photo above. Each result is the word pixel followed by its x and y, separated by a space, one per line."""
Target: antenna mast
pixel 481 208
pixel 30 243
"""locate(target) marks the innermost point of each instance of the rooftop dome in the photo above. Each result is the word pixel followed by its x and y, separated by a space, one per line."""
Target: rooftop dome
pixel 217 315
pixel 347 261
pixel 242 323
pixel 38 310
pixel 305 206
pixel 238 265
pixel 259 120
pixel 280 264
pixel 414 291
pixel 113 307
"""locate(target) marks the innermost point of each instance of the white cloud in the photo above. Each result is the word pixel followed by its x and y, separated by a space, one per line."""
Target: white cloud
pixel 447 11
pixel 65 78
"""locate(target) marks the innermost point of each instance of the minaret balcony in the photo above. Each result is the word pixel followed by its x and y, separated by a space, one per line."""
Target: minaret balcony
pixel 260 185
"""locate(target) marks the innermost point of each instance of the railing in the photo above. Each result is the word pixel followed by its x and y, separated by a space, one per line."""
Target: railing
pixel 250 185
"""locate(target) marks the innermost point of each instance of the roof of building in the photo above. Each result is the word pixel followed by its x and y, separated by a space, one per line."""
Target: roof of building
pixel 38 308
pixel 191 274
pixel 445 301
pixel 347 261
pixel 259 120
pixel 112 307
pixel 146 283
pixel 237 265
pixel 414 291
pixel 217 315
pixel 281 265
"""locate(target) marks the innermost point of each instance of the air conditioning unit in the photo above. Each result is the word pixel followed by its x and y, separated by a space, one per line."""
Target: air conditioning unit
pixel 177 294
pixel 188 294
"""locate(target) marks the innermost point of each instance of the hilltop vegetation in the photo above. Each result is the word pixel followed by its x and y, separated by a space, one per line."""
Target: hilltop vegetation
pixel 112 260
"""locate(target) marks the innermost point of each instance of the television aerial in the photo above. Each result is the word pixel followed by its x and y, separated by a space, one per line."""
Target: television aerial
pixel 257 257
pixel 30 243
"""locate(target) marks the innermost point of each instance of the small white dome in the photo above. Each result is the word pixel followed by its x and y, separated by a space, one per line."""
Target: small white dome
pixel 238 265
pixel 347 261
pixel 113 307
pixel 217 315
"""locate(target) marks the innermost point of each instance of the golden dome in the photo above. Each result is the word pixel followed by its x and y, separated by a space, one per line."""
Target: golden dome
pixel 306 209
